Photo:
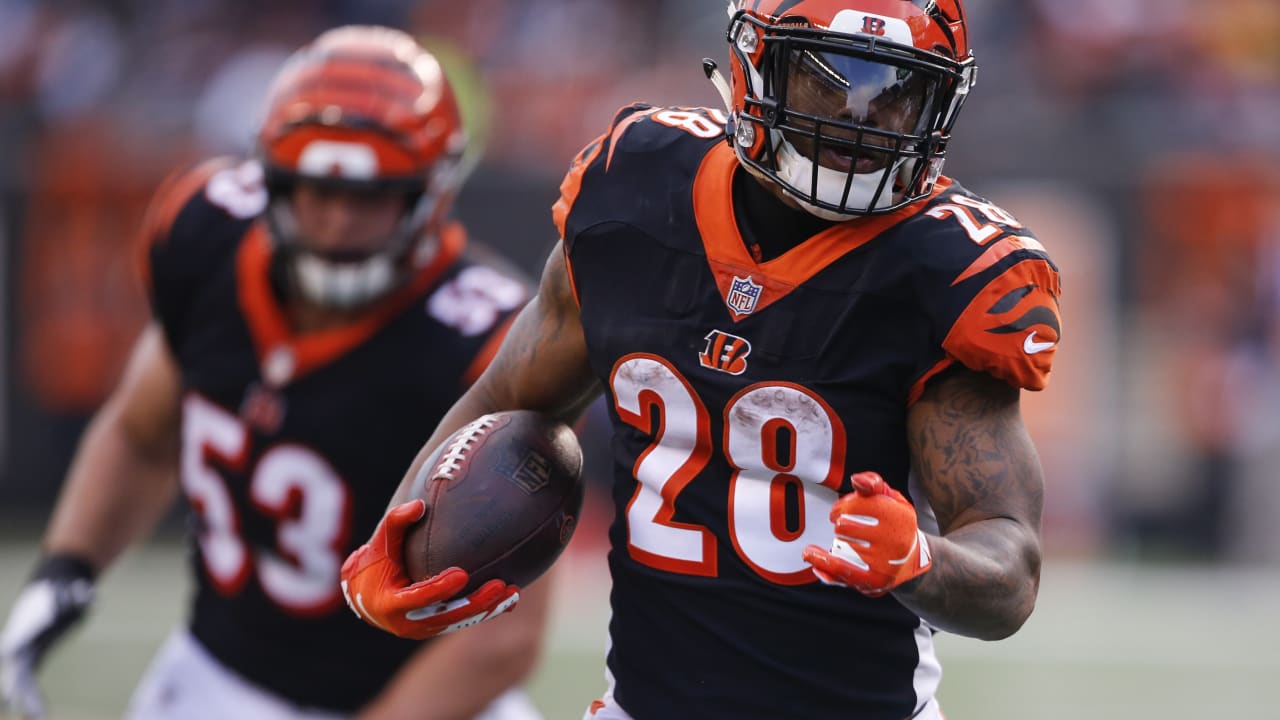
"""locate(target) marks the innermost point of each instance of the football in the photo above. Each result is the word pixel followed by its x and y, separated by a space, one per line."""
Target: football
pixel 503 497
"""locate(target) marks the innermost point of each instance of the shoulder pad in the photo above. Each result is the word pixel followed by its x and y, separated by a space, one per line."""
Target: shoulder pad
pixel 989 287
pixel 1011 326
pixel 636 131
pixel 193 225
pixel 477 300
pixel 192 205
pixel 954 229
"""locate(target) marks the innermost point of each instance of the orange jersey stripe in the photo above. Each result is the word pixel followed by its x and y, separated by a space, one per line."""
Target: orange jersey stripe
pixel 616 136
pixel 1011 328
pixel 572 183
pixel 997 252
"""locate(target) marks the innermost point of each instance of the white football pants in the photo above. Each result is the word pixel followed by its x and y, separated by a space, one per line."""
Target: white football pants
pixel 185 682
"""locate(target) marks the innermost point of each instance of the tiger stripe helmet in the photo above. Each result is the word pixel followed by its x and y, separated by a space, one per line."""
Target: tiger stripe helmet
pixel 367 108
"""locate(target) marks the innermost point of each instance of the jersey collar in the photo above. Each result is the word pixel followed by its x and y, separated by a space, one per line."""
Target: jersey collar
pixel 284 355
pixel 727 252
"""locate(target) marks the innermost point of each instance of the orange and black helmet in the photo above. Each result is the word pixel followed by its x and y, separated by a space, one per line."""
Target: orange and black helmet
pixel 848 105
pixel 363 104
pixel 369 109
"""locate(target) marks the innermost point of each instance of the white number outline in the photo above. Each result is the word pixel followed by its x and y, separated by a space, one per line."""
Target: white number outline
pixel 239 190
pixel 694 123
pixel 758 470
pixel 959 208
pixel 472 302
pixel 301 574
pixel 207 435
pixel 654 539
pixel 652 506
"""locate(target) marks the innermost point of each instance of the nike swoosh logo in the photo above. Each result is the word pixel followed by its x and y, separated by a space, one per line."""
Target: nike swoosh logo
pixel 1031 347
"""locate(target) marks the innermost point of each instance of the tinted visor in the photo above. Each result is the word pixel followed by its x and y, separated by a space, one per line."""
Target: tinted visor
pixel 849 91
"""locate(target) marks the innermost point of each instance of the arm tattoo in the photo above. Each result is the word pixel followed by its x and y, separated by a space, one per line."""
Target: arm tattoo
pixel 974 455
pixel 977 468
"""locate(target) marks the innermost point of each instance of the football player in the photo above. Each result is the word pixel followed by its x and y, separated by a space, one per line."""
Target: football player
pixel 316 313
pixel 812 344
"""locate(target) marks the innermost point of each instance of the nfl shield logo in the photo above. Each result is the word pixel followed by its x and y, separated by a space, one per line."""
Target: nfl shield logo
pixel 743 295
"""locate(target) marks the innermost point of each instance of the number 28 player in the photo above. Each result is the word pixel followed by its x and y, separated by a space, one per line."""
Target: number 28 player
pixel 812 344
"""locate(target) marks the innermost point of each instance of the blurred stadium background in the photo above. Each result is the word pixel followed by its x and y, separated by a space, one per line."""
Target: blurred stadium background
pixel 1139 138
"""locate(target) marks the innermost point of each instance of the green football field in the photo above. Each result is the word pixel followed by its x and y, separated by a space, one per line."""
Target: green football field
pixel 1106 641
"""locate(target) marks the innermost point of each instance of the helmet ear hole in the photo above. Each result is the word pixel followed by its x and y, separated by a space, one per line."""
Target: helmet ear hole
pixel 746 137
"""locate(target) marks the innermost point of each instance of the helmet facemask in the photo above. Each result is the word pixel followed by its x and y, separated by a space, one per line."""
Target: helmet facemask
pixel 847 124
pixel 350 280
pixel 366 110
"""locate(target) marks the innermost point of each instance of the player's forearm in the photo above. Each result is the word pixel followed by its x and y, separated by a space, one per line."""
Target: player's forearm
pixel 543 363
pixel 459 674
pixel 114 493
pixel 983 582
pixel 977 468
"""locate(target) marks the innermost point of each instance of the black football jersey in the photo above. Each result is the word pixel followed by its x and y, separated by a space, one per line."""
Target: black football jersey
pixel 743 394
pixel 291 444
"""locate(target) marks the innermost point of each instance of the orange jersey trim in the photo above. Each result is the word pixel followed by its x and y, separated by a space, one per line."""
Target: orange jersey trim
pixel 917 390
pixel 568 269
pixel 488 352
pixel 571 186
pixel 1022 357
pixel 268 321
pixel 727 253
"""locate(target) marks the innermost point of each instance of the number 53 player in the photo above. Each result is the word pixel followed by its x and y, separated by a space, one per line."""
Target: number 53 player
pixel 316 314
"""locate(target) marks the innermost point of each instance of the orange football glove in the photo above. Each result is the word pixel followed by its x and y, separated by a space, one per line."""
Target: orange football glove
pixel 878 545
pixel 378 589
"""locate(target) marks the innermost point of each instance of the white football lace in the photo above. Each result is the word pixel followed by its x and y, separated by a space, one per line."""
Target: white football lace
pixel 451 461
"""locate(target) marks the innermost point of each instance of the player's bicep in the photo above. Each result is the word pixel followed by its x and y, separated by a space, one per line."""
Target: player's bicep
pixel 147 403
pixel 543 363
pixel 972 455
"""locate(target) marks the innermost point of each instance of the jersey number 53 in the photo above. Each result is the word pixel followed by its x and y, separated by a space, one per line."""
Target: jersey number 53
pixel 290 483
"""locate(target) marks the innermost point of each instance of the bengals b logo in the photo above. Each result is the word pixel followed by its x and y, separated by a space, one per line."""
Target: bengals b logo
pixel 725 352
pixel 873 26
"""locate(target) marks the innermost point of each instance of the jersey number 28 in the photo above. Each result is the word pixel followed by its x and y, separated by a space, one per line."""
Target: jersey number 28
pixel 780 439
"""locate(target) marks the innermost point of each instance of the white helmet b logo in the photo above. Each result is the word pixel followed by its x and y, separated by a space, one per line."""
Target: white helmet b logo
pixel 857 22
pixel 327 158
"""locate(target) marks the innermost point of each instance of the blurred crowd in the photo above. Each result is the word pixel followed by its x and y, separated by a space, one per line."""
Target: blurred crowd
pixel 1139 137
